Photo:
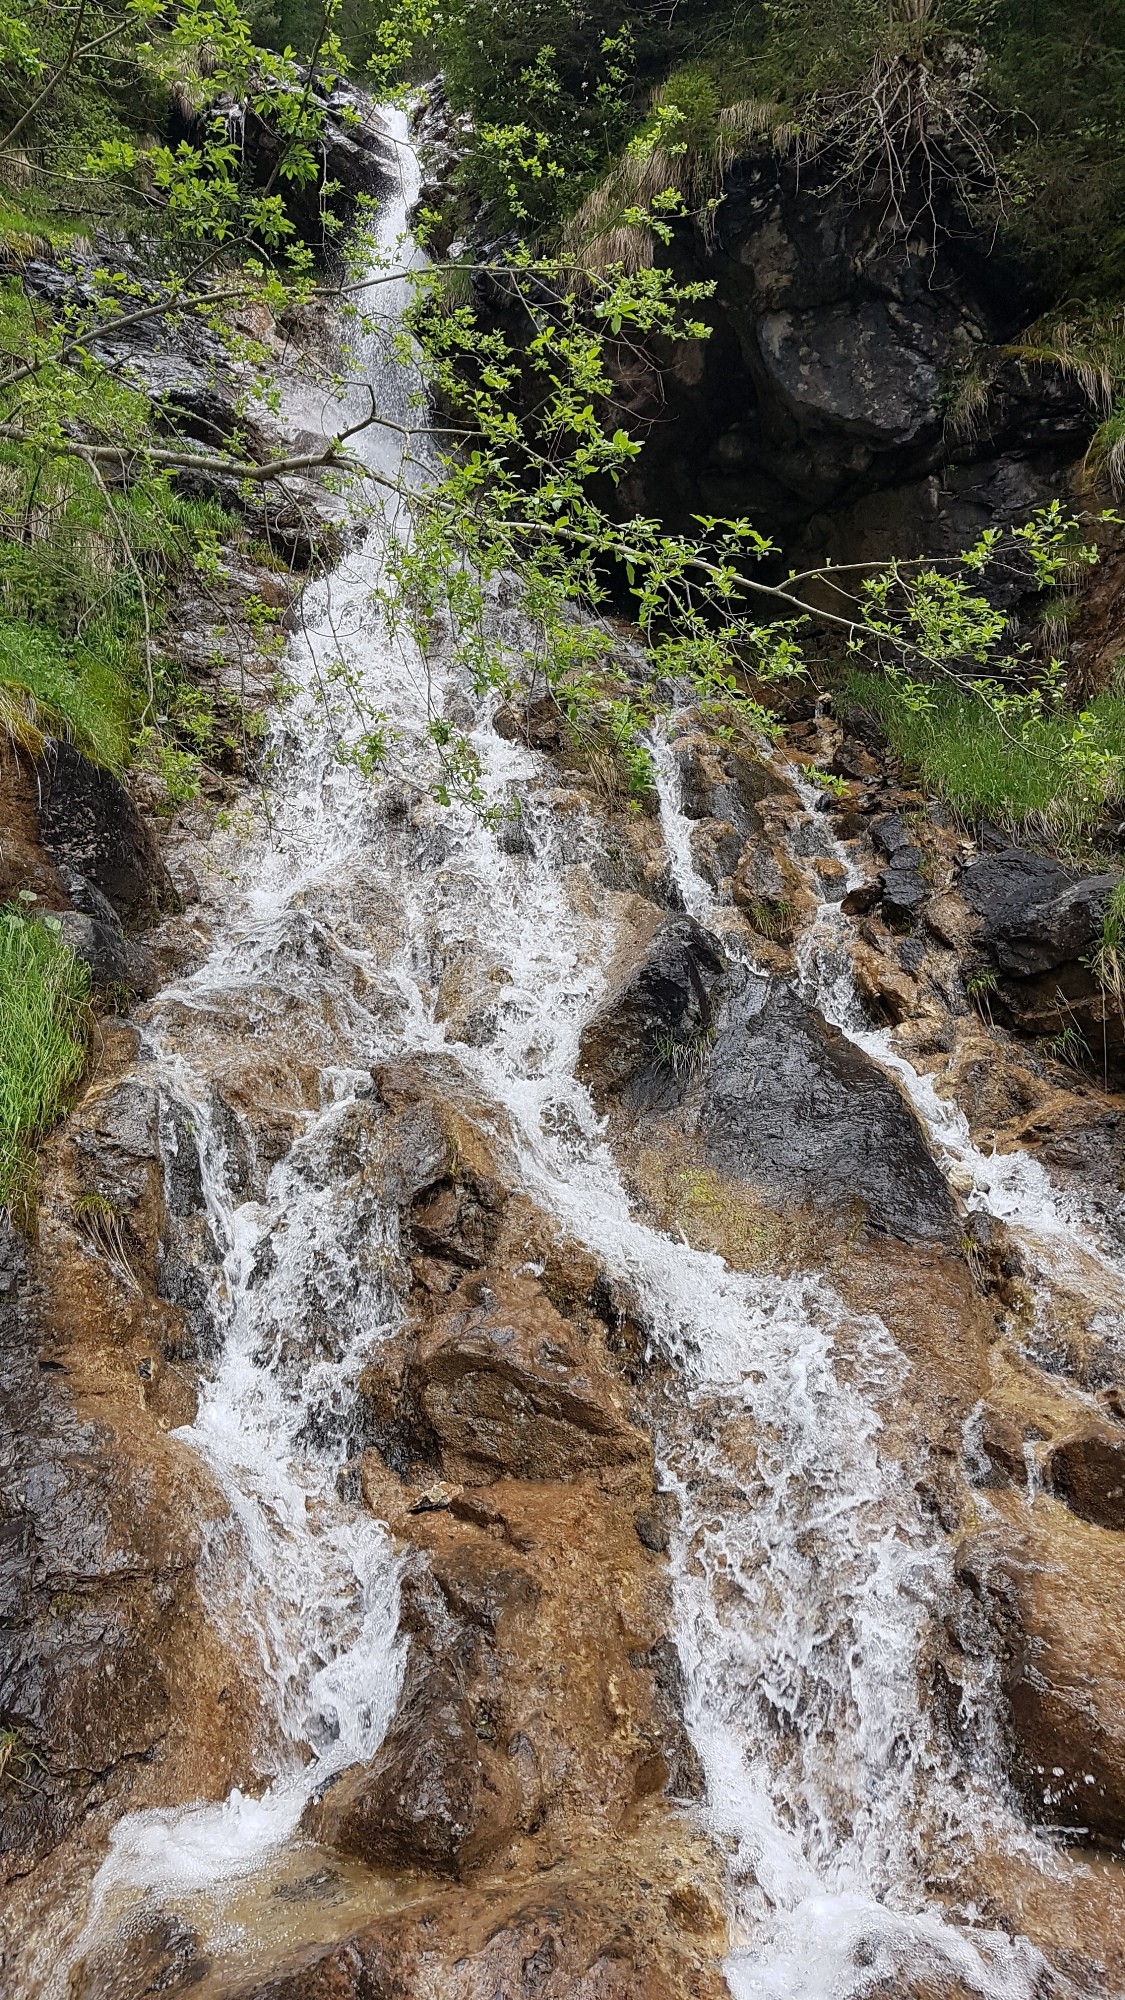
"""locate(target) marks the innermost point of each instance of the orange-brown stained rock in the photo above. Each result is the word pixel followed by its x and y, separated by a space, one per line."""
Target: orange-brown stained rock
pixel 115 1681
pixel 543 1607
pixel 507 1389
pixel 1054 1588
pixel 24 862
pixel 638 1918
pixel 434 1796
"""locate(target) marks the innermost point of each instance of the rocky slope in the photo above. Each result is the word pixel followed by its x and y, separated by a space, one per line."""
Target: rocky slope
pixel 339 1151
pixel 529 1822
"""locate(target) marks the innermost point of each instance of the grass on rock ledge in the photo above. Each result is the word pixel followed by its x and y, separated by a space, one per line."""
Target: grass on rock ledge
pixel 44 1025
pixel 1026 778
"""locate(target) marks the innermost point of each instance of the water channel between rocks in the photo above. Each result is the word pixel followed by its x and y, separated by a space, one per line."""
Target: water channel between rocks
pixel 807 1573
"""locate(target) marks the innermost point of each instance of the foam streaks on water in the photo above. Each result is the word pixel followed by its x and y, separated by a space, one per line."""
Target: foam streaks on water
pixel 807 1576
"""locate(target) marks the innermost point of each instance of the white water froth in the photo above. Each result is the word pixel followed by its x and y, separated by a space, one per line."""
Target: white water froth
pixel 1013 1187
pixel 806 1575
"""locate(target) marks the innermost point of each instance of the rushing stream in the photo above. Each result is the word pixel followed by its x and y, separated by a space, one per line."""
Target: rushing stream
pixel 806 1574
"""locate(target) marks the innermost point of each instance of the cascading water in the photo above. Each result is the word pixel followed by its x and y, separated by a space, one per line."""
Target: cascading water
pixel 806 1575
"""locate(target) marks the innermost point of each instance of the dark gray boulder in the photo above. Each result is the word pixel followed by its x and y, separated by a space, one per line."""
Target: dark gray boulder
pixel 1035 914
pixel 1002 886
pixel 663 998
pixel 793 1106
pixel 90 827
pixel 860 369
pixel 905 887
pixel 113 960
pixel 1056 933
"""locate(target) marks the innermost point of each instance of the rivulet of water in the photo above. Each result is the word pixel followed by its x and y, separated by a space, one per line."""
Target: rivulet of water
pixel 356 930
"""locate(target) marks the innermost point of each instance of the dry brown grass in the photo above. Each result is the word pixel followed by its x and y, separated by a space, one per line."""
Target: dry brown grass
pixel 601 236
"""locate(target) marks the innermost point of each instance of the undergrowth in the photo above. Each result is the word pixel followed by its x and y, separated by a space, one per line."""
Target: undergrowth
pixel 1108 962
pixel 1051 777
pixel 44 997
pixel 86 568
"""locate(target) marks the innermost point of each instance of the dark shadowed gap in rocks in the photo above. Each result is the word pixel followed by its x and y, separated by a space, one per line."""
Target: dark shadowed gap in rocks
pixel 809 1577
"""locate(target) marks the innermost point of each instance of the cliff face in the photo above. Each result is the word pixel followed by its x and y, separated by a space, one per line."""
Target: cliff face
pixel 854 399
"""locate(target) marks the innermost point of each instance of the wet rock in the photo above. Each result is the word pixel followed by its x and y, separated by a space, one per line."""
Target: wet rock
pixel 686 1776
pixel 665 992
pixel 356 147
pixel 24 863
pixel 654 1523
pixel 435 1796
pixel 1002 887
pixel 851 759
pixel 539 723
pixel 715 848
pixel 101 1524
pixel 1035 915
pixel 889 993
pixel 816 403
pixel 441 137
pixel 458 1219
pixel 1046 935
pixel 860 902
pixel 89 824
pixel 851 368
pixel 1051 1588
pixel 505 1389
pixel 520 1578
pixel 905 888
pixel 759 879
pixel 113 960
pixel 583 1931
pixel 890 834
pixel 1088 1475
pixel 791 1104
pixel 160 1955
pixel 722 781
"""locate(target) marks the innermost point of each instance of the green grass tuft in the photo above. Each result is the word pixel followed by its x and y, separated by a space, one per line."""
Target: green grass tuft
pixel 1052 777
pixel 48 689
pixel 1108 962
pixel 44 994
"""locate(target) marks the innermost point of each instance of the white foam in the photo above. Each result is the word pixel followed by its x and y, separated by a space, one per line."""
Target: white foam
pixel 807 1577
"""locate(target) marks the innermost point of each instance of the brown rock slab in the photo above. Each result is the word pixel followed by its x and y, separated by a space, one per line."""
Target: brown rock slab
pixel 1054 1587
pixel 638 1918
pixel 506 1388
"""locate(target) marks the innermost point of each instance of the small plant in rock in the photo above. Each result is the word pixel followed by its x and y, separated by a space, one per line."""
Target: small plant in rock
pixel 980 985
pixel 684 1054
pixel 1068 1047
pixel 17 1759
pixel 771 919
pixel 1108 961
pixel 100 1222
pixel 828 781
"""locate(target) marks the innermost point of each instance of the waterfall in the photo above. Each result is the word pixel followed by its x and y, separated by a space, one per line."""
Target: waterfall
pixel 806 1574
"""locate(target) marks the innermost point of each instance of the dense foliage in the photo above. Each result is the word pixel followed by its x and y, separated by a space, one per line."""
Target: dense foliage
pixel 128 104
pixel 1024 99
